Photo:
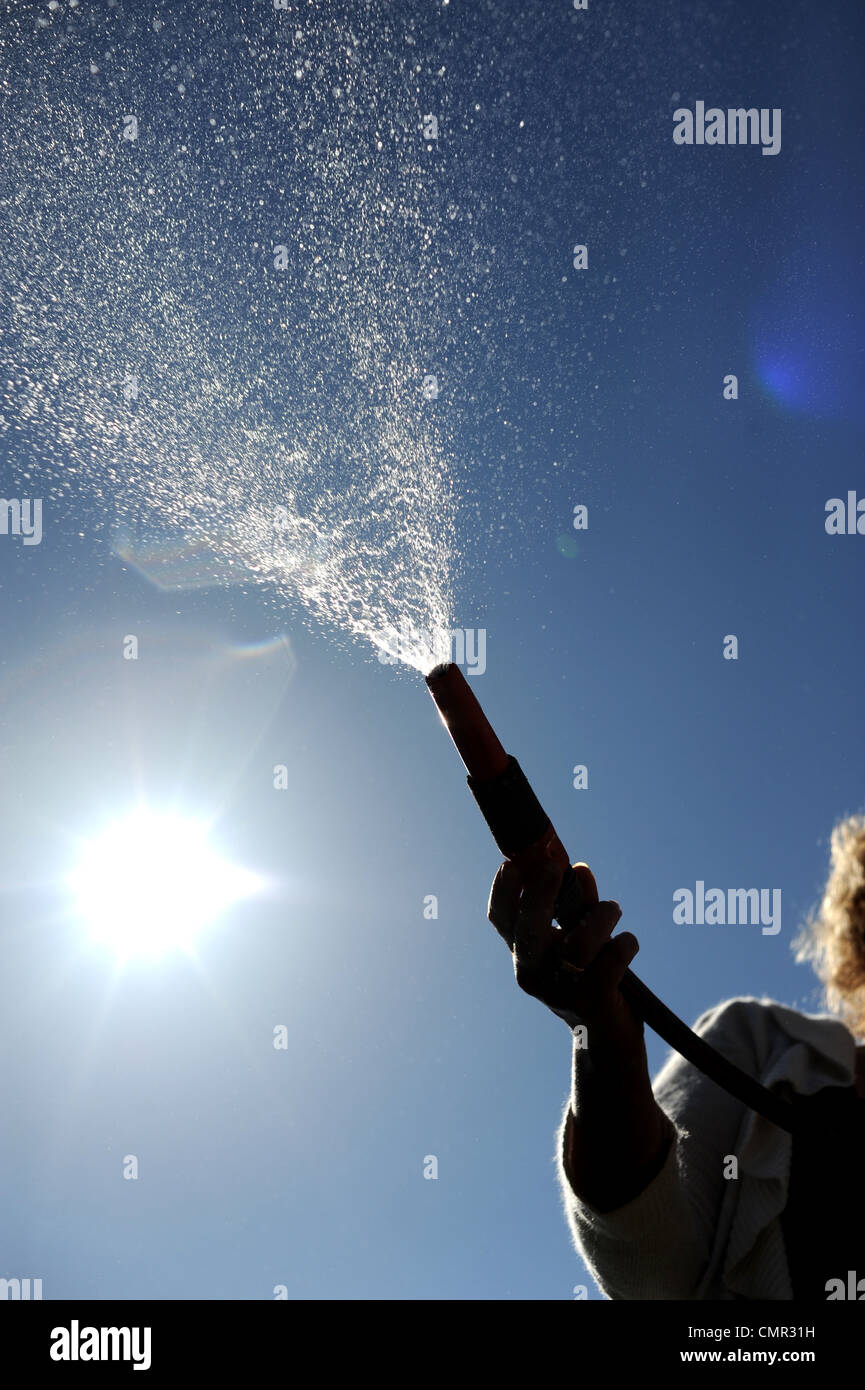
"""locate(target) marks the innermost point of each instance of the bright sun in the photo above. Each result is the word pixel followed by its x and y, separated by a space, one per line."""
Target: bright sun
pixel 149 883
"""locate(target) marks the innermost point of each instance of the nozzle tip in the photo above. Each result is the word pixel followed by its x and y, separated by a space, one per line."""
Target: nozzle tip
pixel 438 671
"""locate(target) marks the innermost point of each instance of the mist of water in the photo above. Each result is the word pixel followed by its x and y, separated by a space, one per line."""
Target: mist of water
pixel 224 333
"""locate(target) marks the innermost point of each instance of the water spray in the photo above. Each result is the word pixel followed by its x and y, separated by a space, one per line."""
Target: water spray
pixel 523 832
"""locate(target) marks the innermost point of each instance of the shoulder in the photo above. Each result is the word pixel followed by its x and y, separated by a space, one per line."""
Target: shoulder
pixel 752 1033
pixel 744 1013
pixel 772 1042
pixel 764 1019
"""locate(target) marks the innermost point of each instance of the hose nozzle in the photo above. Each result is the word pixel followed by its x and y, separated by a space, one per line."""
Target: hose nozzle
pixel 520 826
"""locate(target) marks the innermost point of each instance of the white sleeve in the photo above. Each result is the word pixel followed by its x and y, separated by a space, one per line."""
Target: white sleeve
pixel 658 1245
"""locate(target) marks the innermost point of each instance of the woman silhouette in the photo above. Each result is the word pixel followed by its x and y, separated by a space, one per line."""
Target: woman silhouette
pixel 677 1190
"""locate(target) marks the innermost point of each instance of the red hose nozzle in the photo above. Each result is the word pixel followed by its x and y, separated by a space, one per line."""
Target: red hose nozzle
pixel 465 721
pixel 520 826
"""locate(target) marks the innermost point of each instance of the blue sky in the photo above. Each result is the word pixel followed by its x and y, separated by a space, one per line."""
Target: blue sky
pixel 407 1037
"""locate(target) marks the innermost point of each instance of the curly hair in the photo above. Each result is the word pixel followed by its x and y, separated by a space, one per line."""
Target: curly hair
pixel 833 937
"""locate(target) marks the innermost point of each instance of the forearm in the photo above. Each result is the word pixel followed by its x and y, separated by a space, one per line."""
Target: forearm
pixel 616 1136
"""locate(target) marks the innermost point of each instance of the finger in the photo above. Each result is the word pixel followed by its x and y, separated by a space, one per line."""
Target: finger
pixel 534 934
pixel 581 895
pixel 601 980
pixel 594 995
pixel 591 991
pixel 581 944
pixel 587 882
pixel 505 900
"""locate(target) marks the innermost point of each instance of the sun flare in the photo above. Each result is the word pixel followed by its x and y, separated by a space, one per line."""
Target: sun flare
pixel 150 883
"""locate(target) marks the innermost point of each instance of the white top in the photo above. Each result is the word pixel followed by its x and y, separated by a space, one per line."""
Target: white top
pixel 692 1233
